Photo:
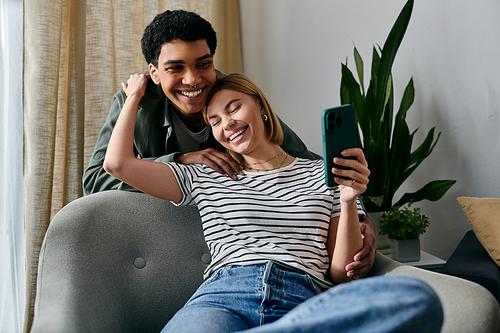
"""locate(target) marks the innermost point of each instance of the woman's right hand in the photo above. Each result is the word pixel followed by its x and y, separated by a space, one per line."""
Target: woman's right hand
pixel 136 84
pixel 358 172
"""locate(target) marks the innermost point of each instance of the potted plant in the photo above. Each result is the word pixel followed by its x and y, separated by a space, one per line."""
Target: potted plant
pixel 386 140
pixel 403 227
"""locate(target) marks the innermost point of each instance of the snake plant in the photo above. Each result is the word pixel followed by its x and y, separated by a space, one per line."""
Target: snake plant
pixel 386 140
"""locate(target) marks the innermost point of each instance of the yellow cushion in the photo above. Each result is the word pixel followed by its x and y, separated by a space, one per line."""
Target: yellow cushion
pixel 484 217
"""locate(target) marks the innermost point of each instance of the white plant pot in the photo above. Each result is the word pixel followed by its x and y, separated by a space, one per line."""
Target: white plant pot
pixel 405 250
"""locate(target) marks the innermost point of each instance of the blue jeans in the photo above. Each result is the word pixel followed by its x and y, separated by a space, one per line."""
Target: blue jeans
pixel 273 298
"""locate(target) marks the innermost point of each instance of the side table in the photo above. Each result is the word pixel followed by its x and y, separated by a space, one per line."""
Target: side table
pixel 427 261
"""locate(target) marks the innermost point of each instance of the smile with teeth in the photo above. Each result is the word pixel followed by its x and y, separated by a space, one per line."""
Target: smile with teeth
pixel 191 94
pixel 236 134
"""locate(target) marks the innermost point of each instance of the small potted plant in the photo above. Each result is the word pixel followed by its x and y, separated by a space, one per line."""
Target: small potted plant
pixel 403 226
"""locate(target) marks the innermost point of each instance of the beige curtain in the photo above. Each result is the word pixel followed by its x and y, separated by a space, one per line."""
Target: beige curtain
pixel 76 53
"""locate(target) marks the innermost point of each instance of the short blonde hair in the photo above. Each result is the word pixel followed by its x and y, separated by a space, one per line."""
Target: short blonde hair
pixel 243 84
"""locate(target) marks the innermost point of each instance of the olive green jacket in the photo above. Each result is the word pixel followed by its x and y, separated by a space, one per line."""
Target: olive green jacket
pixel 154 139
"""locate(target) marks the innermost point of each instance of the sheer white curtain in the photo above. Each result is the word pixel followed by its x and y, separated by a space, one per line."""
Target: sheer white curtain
pixel 12 272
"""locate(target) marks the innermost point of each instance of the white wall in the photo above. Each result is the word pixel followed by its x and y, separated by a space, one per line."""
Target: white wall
pixel 293 49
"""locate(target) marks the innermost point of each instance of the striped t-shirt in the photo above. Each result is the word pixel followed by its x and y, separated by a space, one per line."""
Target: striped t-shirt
pixel 281 215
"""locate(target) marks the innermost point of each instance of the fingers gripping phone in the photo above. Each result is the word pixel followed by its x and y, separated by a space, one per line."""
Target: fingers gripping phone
pixel 339 133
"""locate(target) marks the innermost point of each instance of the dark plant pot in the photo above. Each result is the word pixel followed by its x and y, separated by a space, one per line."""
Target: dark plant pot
pixel 405 250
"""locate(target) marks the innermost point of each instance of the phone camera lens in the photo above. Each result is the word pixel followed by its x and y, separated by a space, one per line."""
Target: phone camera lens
pixel 331 122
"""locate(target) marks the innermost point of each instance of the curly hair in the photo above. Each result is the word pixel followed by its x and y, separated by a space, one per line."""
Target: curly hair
pixel 175 24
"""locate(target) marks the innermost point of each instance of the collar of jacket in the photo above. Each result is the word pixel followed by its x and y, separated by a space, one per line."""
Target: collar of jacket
pixel 168 123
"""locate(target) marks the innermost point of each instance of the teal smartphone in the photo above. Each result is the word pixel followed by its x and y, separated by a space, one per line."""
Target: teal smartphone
pixel 339 133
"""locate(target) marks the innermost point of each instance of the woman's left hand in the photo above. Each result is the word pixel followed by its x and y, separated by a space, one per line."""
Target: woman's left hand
pixel 136 84
pixel 357 171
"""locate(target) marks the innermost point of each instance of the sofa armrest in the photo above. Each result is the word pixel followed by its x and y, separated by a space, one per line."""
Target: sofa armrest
pixel 118 261
pixel 467 306
pixel 472 262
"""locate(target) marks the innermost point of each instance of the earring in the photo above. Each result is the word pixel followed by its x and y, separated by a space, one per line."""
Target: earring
pixel 265 117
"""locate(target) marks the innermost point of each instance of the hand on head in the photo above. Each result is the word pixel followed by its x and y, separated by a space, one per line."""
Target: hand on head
pixel 136 84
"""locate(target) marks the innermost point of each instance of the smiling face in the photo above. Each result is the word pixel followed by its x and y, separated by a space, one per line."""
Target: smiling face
pixel 236 121
pixel 186 72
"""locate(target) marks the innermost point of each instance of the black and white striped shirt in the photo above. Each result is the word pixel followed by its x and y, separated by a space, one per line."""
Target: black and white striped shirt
pixel 281 215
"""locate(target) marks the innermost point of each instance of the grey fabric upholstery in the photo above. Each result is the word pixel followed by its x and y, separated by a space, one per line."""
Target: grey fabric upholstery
pixel 471 261
pixel 120 261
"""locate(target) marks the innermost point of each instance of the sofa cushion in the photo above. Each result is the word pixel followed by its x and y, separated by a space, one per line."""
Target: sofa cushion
pixel 484 217
pixel 470 261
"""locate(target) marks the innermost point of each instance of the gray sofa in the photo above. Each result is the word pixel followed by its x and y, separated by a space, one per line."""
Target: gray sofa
pixel 125 262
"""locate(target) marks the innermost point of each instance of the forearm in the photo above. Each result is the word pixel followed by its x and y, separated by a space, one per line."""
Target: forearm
pixel 96 179
pixel 122 164
pixel 149 142
pixel 121 144
pixel 347 243
pixel 365 222
pixel 156 179
pixel 369 241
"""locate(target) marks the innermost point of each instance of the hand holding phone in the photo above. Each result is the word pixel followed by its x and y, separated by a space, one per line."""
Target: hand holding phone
pixel 339 133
